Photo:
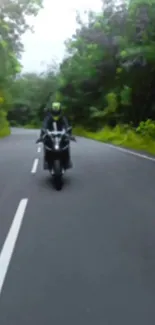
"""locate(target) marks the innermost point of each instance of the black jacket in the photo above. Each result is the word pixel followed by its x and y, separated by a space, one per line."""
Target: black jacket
pixel 62 123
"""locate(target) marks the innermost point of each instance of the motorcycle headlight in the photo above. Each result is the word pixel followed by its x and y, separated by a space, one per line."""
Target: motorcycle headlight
pixel 56 146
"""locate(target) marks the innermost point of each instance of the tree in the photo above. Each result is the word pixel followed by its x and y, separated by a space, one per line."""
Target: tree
pixel 107 75
pixel 30 93
pixel 12 25
pixel 13 14
pixel 112 54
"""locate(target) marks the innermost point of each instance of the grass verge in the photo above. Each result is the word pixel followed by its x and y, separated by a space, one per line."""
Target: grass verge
pixel 120 136
pixel 4 132
pixel 4 125
pixel 4 129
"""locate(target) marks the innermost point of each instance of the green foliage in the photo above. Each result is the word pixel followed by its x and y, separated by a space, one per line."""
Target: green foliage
pixel 4 125
pixel 5 131
pixel 112 104
pixel 110 65
pixel 119 136
pixel 147 128
pixel 12 26
pixel 29 92
pixel 106 78
pixel 125 95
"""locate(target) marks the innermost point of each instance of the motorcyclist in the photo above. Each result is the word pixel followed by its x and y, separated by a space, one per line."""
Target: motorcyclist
pixel 55 120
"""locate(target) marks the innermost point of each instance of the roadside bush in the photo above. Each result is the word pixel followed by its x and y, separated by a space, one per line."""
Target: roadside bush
pixel 4 125
pixel 147 128
pixel 35 124
pixel 121 136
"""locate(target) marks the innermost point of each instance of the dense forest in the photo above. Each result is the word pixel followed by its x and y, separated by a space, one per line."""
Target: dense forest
pixel 12 26
pixel 107 77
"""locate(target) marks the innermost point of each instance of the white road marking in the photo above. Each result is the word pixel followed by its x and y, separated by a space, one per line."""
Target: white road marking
pixel 130 152
pixel 35 165
pixel 10 242
pixel 39 149
pixel 136 154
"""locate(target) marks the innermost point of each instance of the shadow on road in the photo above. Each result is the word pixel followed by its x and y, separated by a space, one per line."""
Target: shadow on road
pixel 46 182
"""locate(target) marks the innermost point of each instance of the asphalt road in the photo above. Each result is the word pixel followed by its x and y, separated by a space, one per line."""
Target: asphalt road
pixel 82 256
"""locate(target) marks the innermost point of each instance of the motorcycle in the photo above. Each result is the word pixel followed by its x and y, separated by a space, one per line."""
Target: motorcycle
pixel 56 145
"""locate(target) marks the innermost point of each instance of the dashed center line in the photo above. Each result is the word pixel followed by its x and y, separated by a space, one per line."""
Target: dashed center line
pixel 39 149
pixel 35 165
pixel 10 242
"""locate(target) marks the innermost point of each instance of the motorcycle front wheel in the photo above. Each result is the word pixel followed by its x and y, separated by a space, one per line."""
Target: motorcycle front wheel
pixel 57 176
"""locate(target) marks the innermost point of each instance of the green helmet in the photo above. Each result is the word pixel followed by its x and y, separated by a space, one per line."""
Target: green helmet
pixel 56 111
